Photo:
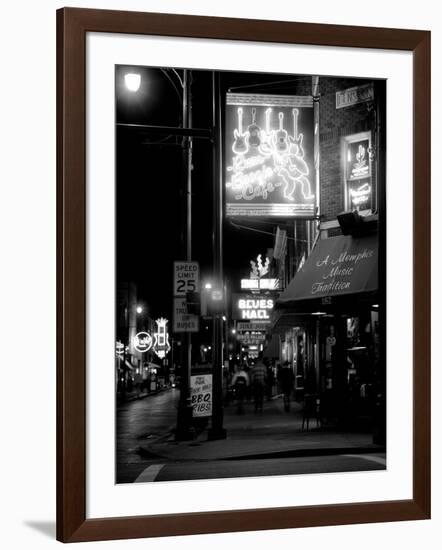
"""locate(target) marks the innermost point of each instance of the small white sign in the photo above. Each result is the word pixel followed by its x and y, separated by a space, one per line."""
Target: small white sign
pixel 183 321
pixel 185 278
pixel 201 394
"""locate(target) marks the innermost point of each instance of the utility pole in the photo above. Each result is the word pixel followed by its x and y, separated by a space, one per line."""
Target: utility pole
pixel 185 430
pixel 217 431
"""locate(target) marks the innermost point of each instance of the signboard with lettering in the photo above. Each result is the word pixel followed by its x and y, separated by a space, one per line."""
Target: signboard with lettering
pixel 185 277
pixel 252 307
pixel 247 326
pixel 269 156
pixel 336 266
pixel 183 321
pixel 260 284
pixel 358 172
pixel 201 395
pixel 352 96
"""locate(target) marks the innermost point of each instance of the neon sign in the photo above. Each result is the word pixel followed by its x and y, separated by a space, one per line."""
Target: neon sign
pixel 161 346
pixel 119 348
pixel 361 195
pixel 268 169
pixel 252 307
pixel 142 341
pixel 358 155
pixel 260 284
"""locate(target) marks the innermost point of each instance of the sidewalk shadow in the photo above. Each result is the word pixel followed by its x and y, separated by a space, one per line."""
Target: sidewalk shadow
pixel 45 527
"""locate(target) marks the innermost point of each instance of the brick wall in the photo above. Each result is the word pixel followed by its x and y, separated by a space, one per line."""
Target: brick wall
pixel 335 124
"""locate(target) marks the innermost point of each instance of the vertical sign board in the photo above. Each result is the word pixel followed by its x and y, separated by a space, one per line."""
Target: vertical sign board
pixel 269 167
pixel 201 395
pixel 185 279
pixel 358 172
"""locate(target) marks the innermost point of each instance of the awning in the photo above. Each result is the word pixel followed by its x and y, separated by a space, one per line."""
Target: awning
pixel 338 266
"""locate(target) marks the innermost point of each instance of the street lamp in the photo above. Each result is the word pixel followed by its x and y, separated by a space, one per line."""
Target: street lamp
pixel 139 309
pixel 132 81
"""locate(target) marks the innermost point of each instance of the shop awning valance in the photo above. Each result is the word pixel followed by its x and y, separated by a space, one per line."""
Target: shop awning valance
pixel 338 266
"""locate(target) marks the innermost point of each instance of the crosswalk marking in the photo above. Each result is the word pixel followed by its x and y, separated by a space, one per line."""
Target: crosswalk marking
pixel 150 473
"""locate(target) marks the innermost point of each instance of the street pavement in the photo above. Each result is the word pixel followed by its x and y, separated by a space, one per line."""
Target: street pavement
pixel 271 443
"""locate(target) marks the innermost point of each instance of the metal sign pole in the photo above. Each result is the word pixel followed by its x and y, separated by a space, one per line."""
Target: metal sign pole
pixel 217 431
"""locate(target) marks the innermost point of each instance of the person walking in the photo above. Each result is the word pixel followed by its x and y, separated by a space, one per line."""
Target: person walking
pixel 240 382
pixel 259 377
pixel 270 382
pixel 286 381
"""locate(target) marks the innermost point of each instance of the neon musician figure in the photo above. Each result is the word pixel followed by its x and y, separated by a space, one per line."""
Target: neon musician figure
pixel 293 168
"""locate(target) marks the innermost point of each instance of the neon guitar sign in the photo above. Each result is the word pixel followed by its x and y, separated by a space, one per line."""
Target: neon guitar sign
pixel 268 161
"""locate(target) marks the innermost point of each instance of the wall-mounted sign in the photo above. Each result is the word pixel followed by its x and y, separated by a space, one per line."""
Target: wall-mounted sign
pixel 201 395
pixel 252 307
pixel 358 161
pixel 161 346
pixel 182 320
pixel 268 155
pixel 185 278
pixel 358 172
pixel 352 96
pixel 142 341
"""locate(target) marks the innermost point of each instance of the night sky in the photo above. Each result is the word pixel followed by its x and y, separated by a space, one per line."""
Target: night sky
pixel 150 198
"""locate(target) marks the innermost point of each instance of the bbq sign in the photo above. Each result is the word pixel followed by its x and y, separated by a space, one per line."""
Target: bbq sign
pixel 268 155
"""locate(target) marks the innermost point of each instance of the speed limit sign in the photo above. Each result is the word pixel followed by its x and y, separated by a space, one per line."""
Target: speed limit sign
pixel 185 278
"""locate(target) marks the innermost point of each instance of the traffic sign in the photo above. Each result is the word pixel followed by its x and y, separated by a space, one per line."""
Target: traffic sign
pixel 183 321
pixel 185 277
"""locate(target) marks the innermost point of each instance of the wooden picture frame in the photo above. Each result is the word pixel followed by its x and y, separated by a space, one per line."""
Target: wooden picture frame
pixel 72 27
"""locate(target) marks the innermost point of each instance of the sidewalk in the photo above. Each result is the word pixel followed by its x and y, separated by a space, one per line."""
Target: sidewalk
pixel 273 433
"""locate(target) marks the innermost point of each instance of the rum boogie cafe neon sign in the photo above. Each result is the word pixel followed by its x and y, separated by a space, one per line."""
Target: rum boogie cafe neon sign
pixel 269 152
pixel 252 307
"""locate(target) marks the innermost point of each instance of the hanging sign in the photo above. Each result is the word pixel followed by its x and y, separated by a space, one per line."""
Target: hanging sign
pixel 247 326
pixel 142 341
pixel 268 155
pixel 161 346
pixel 252 307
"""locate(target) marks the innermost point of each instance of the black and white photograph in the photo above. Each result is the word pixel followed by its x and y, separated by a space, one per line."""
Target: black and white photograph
pixel 250 274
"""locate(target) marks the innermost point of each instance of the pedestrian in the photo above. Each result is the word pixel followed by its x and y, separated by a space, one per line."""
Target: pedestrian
pixel 259 377
pixel 286 381
pixel 240 382
pixel 270 382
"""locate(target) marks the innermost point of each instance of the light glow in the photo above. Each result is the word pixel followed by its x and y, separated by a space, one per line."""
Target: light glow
pixel 161 346
pixel 142 342
pixel 277 158
pixel 132 81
